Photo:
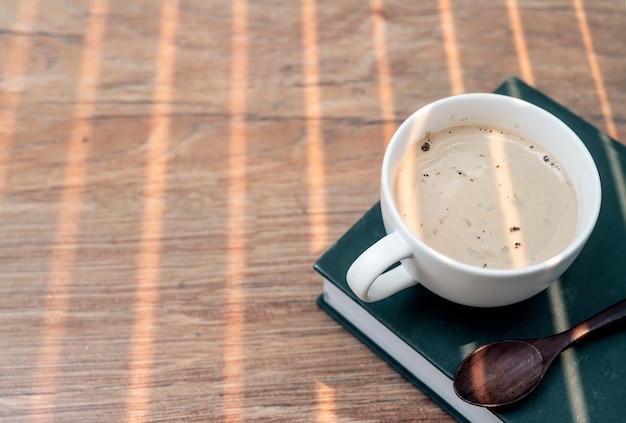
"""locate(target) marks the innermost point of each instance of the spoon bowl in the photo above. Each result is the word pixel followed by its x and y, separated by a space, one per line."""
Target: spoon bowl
pixel 486 378
pixel 503 372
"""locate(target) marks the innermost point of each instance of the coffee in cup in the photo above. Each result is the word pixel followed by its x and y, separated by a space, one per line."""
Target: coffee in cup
pixel 486 196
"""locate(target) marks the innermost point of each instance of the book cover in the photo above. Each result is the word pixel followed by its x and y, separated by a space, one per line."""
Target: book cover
pixel 425 337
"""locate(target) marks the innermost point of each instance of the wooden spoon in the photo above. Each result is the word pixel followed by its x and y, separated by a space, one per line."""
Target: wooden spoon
pixel 503 372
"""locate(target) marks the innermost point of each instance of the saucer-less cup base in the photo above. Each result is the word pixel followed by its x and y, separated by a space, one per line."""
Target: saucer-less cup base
pixel 459 282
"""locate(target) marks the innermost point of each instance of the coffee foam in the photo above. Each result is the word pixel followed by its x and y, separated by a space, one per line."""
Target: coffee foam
pixel 486 197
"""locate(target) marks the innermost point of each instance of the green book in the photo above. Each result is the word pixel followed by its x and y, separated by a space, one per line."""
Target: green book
pixel 425 337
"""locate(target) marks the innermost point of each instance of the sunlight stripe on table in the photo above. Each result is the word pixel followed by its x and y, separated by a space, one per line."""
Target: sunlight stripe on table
pixel 64 253
pixel 318 227
pixel 325 401
pixel 605 105
pixel 234 349
pixel 557 304
pixel 592 58
pixel 13 76
pixel 520 42
pixel 568 358
pixel 155 185
pixel 527 74
pixel 385 86
pixel 451 47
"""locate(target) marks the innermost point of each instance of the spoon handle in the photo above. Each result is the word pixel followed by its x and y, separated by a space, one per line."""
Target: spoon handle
pixel 612 314
pixel 552 346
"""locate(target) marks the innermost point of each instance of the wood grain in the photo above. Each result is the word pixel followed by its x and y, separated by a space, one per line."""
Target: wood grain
pixel 169 172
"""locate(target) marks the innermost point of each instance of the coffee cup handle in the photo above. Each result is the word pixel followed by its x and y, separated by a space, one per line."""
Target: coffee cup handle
pixel 367 277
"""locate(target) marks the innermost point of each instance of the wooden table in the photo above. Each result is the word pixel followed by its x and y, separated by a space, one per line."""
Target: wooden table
pixel 170 170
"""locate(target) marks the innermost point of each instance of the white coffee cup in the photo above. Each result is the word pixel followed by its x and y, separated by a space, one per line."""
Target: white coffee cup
pixel 462 283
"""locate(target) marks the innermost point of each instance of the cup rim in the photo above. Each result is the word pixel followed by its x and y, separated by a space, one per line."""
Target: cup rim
pixel 582 232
